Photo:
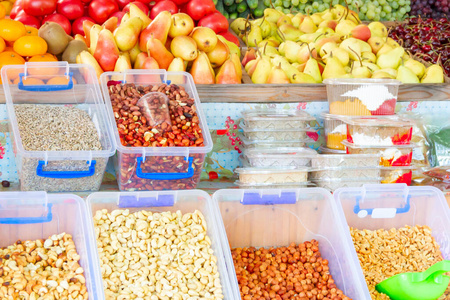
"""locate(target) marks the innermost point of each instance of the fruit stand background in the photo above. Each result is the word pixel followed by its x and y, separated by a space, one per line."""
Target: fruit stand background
pixel 223 121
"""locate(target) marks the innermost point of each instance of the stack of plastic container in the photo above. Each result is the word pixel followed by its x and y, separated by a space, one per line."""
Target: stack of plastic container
pixel 275 149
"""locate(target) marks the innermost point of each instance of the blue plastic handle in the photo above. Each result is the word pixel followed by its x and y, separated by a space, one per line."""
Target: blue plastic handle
pixel 64 174
pixel 45 87
pixel 32 220
pixel 250 198
pixel 126 201
pixel 400 210
pixel 164 176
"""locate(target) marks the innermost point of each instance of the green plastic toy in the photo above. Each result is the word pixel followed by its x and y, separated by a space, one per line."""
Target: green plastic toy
pixel 427 285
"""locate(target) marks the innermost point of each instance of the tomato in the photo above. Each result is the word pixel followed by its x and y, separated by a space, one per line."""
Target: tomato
pixel 119 15
pixel 230 37
pixel 61 20
pixel 140 5
pixel 86 1
pixel 100 10
pixel 168 5
pixel 77 25
pixel 15 10
pixel 26 19
pixel 147 1
pixel 71 9
pixel 39 7
pixel 180 2
pixel 216 21
pixel 122 3
pixel 198 9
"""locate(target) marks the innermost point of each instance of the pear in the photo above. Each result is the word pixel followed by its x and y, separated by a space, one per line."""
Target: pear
pixel 280 61
pixel 297 20
pixel 390 71
pixel 291 51
pixel 325 30
pixel 333 68
pixel 405 75
pixel 392 43
pixel 365 47
pixel 237 64
pixel 262 71
pixel 251 66
pixel 122 64
pixel 305 52
pixel 182 24
pixel 391 59
pixel 378 29
pixel 433 74
pixel 308 25
pixel 278 76
pixel 416 67
pixel 269 41
pixel 382 75
pixel 158 28
pixel 329 24
pixel 361 32
pixel 345 27
pixel 372 67
pixel 239 25
pixel 205 38
pixel 219 54
pixel 227 73
pixel 284 20
pixel 341 54
pixel 158 51
pixel 265 27
pixel 231 46
pixel 201 70
pixel 249 55
pixel 289 33
pixel 384 49
pixel 327 48
pixel 317 19
pixel 272 15
pixel 352 47
pixel 177 65
pixel 369 57
pixel 84 57
pixel 376 43
pixel 137 12
pixel 184 47
pixel 254 37
pixel 127 34
pixel 312 68
pixel 361 72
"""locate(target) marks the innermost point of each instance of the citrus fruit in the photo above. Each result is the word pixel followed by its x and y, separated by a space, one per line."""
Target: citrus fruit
pixel 11 58
pixel 11 30
pixel 31 30
pixel 5 7
pixel 60 80
pixel 43 71
pixel 29 81
pixel 2 44
pixel 30 45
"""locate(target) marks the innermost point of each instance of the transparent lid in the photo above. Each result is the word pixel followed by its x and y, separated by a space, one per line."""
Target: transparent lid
pixel 246 129
pixel 275 185
pixel 343 168
pixel 285 151
pixel 276 115
pixel 267 170
pixel 394 168
pixel 263 144
pixel 330 151
pixel 353 146
pixel 378 121
pixel 365 81
pixel 342 180
pixel 328 116
pixel 346 156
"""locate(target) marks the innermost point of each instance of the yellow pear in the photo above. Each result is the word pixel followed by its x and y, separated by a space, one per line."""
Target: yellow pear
pixel 339 53
pixel 369 57
pixel 391 59
pixel 344 27
pixel 352 47
pixel 381 75
pixel 433 74
pixel 333 68
pixel 291 51
pixel 308 25
pixel 272 15
pixel 384 49
pixel 326 49
pixel 417 67
pixel 262 71
pixel 390 71
pixel 378 29
pixel 277 76
pixel 312 68
pixel 405 75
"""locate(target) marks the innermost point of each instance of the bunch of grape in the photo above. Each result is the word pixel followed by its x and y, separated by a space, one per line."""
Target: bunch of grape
pixel 430 8
pixel 428 39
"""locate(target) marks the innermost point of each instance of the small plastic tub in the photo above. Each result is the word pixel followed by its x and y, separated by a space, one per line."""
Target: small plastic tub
pixel 397 175
pixel 380 131
pixel 173 201
pixel 277 218
pixel 344 173
pixel 362 97
pixel 325 150
pixel 335 183
pixel 276 119
pixel 273 185
pixel 335 131
pixel 265 144
pixel 38 215
pixel 277 134
pixel 280 157
pixel 324 161
pixel 271 175
pixel 399 155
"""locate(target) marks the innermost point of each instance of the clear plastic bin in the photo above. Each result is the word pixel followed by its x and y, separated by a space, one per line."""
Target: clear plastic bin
pixel 396 175
pixel 58 171
pixel 280 157
pixel 387 206
pixel 265 144
pixel 344 160
pixel 344 173
pixel 335 131
pixel 335 183
pixel 276 134
pixel 380 131
pixel 273 185
pixel 325 150
pixel 398 155
pixel 186 202
pixel 38 215
pixel 362 97
pixel 272 175
pixel 276 218
pixel 276 119
pixel 157 168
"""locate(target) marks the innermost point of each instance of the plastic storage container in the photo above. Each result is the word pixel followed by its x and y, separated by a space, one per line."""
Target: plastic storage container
pixel 276 119
pixel 276 218
pixel 186 202
pixel 335 183
pixel 398 155
pixel 271 175
pixel 396 175
pixel 335 131
pixel 344 173
pixel 325 150
pixel 58 171
pixel 38 215
pixel 344 160
pixel 178 167
pixel 265 144
pixel 362 97
pixel 272 185
pixel 380 131
pixel 385 206
pixel 286 135
pixel 279 157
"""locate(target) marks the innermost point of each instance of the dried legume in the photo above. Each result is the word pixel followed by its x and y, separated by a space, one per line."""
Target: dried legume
pixel 296 272
pixel 149 255
pixel 42 269
pixel 385 253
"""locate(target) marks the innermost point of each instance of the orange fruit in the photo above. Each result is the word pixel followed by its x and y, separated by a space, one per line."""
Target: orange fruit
pixel 30 45
pixel 31 30
pixel 3 8
pixel 29 81
pixel 43 71
pixel 60 80
pixel 2 44
pixel 11 30
pixel 11 58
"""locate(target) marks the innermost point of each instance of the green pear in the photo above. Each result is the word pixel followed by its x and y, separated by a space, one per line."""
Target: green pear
pixel 369 57
pixel 433 74
pixel 289 32
pixel 391 59
pixel 270 50
pixel 239 25
pixel 291 51
pixel 254 37
pixel 312 68
pixel 308 25
pixel 272 15
pixel 262 71
pixel 417 67
pixel 405 75
pixel 327 48
pixel 281 48
pixel 333 68
pixel 265 27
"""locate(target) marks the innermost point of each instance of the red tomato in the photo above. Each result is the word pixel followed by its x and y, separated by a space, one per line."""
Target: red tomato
pixel 140 5
pixel 198 9
pixel 180 2
pixel 71 9
pixel 146 1
pixel 86 1
pixel 122 3
pixel 230 37
pixel 77 25
pixel 61 20
pixel 168 5
pixel 100 10
pixel 119 15
pixel 39 7
pixel 216 21
pixel 15 10
pixel 26 19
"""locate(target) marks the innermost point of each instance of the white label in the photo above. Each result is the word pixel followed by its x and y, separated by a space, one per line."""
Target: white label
pixel 384 213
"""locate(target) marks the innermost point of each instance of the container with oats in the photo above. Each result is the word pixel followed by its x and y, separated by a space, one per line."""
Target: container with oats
pixel 361 173
pixel 398 155
pixel 333 184
pixel 272 175
pixel 279 157
pixel 60 132
pixel 276 119
pixel 324 161
pixel 395 229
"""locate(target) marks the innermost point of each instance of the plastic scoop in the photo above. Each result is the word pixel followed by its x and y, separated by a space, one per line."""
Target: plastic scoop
pixel 154 106
pixel 427 285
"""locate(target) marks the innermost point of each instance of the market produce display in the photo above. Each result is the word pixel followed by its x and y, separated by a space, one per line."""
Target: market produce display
pixel 42 268
pixel 331 44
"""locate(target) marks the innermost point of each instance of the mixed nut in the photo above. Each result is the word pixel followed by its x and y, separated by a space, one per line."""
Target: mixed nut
pixel 42 269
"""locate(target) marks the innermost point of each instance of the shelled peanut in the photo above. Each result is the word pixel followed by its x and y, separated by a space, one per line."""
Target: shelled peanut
pixel 385 253
pixel 155 256
pixel 296 272
pixel 42 269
